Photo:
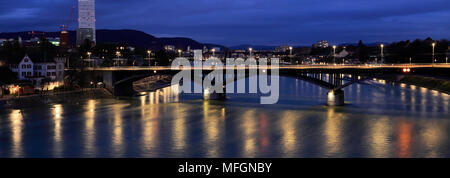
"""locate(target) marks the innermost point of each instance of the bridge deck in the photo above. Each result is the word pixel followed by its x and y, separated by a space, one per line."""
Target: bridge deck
pixel 382 66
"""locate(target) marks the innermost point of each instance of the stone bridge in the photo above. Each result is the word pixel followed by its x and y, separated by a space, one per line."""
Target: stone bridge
pixel 119 80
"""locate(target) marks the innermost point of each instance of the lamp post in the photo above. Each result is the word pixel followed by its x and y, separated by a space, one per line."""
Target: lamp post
pixel 446 60
pixel 118 56
pixel 433 45
pixel 213 51
pixel 149 52
pixel 410 60
pixel 250 49
pixel 334 54
pixel 179 53
pixel 381 53
pixel 89 57
pixel 290 54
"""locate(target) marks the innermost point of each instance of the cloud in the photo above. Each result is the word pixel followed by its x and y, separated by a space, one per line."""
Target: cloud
pixel 233 22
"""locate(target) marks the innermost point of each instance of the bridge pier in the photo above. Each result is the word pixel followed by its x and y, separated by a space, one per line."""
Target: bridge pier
pixel 335 98
pixel 209 94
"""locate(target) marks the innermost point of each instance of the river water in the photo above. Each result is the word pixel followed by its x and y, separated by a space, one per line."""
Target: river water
pixel 378 120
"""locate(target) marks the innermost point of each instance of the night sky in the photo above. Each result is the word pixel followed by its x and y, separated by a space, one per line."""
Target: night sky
pixel 233 22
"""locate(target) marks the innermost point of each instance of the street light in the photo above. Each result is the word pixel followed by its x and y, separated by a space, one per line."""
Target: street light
pixel 250 49
pixel 290 54
pixel 89 57
pixel 179 53
pixel 434 45
pixel 213 51
pixel 149 52
pixel 334 54
pixel 118 56
pixel 381 53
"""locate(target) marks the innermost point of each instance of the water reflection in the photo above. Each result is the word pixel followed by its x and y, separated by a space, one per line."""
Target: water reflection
pixel 380 120
pixel 89 144
pixel 289 126
pixel 213 125
pixel 179 128
pixel 433 135
pixel 57 140
pixel 16 125
pixel 248 129
pixel 379 137
pixel 332 130
pixel 404 139
pixel 117 130
pixel 150 126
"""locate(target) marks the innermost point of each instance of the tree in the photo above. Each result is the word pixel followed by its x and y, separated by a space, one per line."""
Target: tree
pixel 162 57
pixel 7 76
pixel 362 52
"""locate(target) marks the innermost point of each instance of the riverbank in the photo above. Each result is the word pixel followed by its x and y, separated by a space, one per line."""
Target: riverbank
pixel 441 85
pixel 53 97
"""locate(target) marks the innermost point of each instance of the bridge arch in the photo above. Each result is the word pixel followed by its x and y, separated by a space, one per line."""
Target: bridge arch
pixel 335 85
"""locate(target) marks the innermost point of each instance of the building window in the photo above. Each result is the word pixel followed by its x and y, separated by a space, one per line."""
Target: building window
pixel 23 74
pixel 37 67
pixel 53 73
pixel 26 59
pixel 28 73
pixel 48 74
pixel 29 66
pixel 24 66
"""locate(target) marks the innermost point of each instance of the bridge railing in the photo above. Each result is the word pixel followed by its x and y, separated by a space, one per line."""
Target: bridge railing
pixel 308 66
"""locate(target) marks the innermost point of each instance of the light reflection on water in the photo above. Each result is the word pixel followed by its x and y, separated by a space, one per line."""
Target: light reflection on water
pixel 58 142
pixel 16 126
pixel 380 120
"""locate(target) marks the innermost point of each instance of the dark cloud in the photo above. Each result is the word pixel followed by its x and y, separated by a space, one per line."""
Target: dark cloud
pixel 232 22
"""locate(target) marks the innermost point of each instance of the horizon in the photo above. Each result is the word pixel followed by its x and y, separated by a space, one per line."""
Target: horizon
pixel 250 45
pixel 261 23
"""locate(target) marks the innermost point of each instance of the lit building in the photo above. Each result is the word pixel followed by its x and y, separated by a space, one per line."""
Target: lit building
pixel 282 49
pixel 36 71
pixel 215 49
pixel 321 44
pixel 86 21
pixel 2 41
pixel 169 48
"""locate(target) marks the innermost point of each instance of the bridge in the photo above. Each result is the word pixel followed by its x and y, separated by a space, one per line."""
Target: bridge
pixel 334 78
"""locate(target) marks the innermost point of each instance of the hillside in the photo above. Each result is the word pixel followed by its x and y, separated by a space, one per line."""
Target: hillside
pixel 131 37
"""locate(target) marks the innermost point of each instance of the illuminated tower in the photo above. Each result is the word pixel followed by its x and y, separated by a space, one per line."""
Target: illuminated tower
pixel 86 21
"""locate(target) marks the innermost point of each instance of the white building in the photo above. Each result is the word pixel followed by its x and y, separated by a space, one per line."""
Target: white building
pixel 86 21
pixel 35 72
pixel 321 44
pixel 2 41
pixel 342 54
pixel 169 48
pixel 282 49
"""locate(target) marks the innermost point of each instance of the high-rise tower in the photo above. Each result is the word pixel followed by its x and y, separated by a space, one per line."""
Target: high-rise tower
pixel 86 21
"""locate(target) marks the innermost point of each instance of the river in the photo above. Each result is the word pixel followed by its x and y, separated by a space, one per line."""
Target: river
pixel 378 120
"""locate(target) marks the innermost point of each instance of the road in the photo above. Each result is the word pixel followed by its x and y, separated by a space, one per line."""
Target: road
pixel 365 66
